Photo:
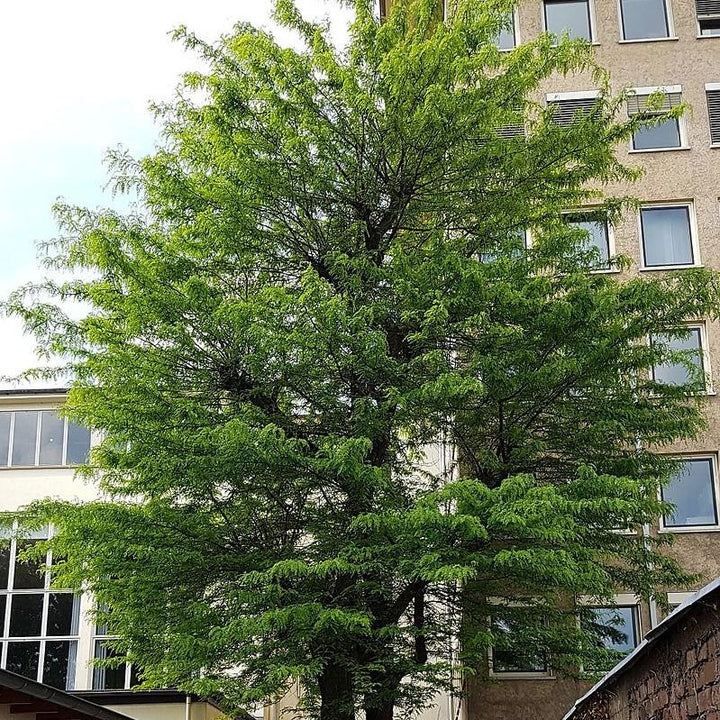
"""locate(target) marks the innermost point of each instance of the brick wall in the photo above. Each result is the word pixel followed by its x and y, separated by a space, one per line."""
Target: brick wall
pixel 676 678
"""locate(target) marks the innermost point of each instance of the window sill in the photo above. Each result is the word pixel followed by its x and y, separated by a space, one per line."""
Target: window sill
pixel 655 268
pixel 714 146
pixel 672 38
pixel 521 676
pixel 690 529
pixel 38 467
pixel 606 271
pixel 707 37
pixel 658 150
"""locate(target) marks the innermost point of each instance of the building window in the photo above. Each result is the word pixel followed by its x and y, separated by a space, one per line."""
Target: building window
pixel 509 660
pixel 667 236
pixel 644 19
pixel 118 677
pixel 615 629
pixel 569 16
pixel 712 93
pixel 708 17
pixel 514 245
pixel 41 437
pixel 689 367
pixel 40 625
pixel 507 38
pixel 598 236
pixel 572 106
pixel 676 599
pixel 692 490
pixel 663 135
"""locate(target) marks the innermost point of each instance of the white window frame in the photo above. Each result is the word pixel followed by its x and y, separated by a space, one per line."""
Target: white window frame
pixel 127 682
pixel 611 239
pixel 699 35
pixel 619 600
pixel 592 17
pixel 678 598
pixel 670 22
pixel 516 31
pixel 700 325
pixel 694 244
pixel 46 590
pixel 682 125
pixel 711 87
pixel 716 494
pixel 530 674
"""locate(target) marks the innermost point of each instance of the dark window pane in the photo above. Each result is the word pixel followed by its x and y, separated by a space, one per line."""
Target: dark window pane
pixel 25 438
pixel 671 373
pixel 62 614
pixel 690 490
pixel 571 16
pixel 615 627
pixel 4 563
pixel 666 236
pixel 709 26
pixel 78 444
pixel 59 664
pixel 134 676
pixel 27 572
pixel 52 429
pixel 26 615
pixel 23 658
pixel 513 660
pixel 664 135
pixel 4 438
pixel 107 678
pixel 643 19
pixel 3 603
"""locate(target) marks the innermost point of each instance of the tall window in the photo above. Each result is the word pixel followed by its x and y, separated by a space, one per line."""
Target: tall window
pixel 708 17
pixel 598 236
pixel 666 236
pixel 507 39
pixel 569 16
pixel 692 491
pixel 41 437
pixel 40 625
pixel 615 628
pixel 644 19
pixel 712 94
pixel 689 367
pixel 663 135
pixel 120 677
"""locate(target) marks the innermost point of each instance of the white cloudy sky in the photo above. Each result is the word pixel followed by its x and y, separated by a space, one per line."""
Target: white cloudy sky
pixel 76 78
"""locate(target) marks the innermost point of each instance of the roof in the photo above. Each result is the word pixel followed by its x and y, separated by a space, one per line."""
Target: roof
pixel 28 696
pixel 19 392
pixel 648 642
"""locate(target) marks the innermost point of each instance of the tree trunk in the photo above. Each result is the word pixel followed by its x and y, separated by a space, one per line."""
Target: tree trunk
pixel 336 694
pixel 381 712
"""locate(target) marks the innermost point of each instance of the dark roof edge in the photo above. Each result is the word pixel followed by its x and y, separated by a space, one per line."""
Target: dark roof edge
pixel 650 639
pixel 39 691
pixel 12 392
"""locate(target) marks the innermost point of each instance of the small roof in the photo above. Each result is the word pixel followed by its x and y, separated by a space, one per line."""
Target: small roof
pixel 650 639
pixel 47 703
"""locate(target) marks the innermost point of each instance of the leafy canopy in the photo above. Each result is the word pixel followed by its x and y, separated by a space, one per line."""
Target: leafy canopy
pixel 323 288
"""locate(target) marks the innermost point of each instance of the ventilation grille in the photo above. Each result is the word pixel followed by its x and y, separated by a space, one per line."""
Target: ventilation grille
pixel 638 103
pixel 565 111
pixel 511 131
pixel 707 8
pixel 713 101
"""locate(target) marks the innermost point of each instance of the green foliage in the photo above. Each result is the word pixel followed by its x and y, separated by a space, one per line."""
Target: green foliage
pixel 324 277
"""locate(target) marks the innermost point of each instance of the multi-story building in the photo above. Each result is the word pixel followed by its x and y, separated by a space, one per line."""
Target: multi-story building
pixel 46 633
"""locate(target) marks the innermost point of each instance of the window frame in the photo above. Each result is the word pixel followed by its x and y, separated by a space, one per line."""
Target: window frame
pixel 682 125
pixel 609 228
pixel 42 639
pixel 694 244
pixel 679 529
pixel 98 637
pixel 516 31
pixel 704 354
pixel 711 87
pixel 592 20
pixel 669 19
pixel 546 674
pixel 559 97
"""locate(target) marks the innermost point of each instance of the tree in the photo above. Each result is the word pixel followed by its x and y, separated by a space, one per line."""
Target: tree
pixel 325 276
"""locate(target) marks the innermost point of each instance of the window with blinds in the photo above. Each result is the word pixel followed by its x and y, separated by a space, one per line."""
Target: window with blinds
pixel 661 135
pixel 708 16
pixel 713 103
pixel 568 110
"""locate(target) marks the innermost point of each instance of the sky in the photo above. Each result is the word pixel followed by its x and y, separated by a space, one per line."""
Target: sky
pixel 76 79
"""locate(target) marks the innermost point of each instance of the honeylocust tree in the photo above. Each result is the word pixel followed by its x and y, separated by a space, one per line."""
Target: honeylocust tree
pixel 345 406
